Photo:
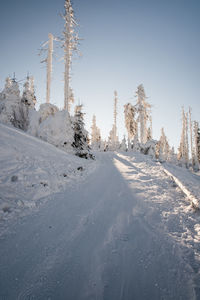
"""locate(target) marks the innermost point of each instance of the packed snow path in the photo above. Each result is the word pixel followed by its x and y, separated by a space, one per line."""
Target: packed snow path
pixel 112 236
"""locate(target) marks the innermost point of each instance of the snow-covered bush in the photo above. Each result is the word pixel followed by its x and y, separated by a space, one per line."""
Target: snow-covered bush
pixel 123 145
pixel 149 148
pixel 57 129
pixel 47 110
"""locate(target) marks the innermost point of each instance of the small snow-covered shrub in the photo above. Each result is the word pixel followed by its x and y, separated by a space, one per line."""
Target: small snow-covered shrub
pixel 149 148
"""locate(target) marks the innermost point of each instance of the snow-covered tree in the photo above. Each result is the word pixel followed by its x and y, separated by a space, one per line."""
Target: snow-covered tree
pixel 183 150
pixel 149 130
pixel 48 61
pixel 81 140
pixel 28 96
pixel 115 117
pixel 113 142
pixel 123 144
pixel 164 146
pixel 196 145
pixel 10 101
pixel 130 122
pixel 7 89
pixel 95 135
pixel 143 109
pixel 70 42
pixel 172 156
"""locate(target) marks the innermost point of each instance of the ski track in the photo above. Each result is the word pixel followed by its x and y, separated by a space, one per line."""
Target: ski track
pixel 125 232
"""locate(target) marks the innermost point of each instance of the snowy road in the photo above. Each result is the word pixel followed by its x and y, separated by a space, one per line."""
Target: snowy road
pixel 106 238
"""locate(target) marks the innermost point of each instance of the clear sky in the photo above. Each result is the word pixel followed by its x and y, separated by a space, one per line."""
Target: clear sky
pixel 125 43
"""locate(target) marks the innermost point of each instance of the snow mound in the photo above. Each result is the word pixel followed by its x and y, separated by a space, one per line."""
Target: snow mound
pixel 56 129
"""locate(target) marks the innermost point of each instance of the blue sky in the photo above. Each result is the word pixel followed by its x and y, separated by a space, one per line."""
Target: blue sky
pixel 125 43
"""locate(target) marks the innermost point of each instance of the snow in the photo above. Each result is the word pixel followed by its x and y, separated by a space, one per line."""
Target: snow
pixel 190 181
pixel 31 170
pixel 123 230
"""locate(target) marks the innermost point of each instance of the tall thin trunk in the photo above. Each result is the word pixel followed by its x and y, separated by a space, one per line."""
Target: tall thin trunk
pixel 49 66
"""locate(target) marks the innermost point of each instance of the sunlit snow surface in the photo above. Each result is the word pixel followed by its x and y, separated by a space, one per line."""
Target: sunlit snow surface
pixel 121 230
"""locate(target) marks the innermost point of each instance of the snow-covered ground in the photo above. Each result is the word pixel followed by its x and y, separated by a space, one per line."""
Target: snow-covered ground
pixel 32 171
pixel 124 230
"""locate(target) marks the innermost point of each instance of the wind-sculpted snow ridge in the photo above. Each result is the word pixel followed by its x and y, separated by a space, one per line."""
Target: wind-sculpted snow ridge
pixel 32 171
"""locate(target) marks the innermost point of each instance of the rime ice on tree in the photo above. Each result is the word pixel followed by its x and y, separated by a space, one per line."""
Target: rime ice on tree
pixel 143 109
pixel 130 122
pixel 196 145
pixel 70 42
pixel 28 96
pixel 48 62
pixel 183 150
pixel 95 135
pixel 115 118
pixel 113 142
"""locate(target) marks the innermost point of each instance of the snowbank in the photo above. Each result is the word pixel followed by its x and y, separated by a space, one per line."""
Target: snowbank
pixel 187 181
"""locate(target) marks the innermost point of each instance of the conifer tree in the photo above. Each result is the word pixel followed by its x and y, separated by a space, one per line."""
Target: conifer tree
pixel 123 145
pixel 81 140
pixel 164 146
pixel 28 97
pixel 95 135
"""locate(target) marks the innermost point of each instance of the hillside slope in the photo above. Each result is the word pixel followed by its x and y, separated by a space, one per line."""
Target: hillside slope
pixel 124 232
pixel 32 170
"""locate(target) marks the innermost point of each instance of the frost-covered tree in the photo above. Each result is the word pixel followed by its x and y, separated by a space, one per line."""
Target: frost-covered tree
pixel 70 42
pixel 28 96
pixel 143 109
pixel 115 117
pixel 183 150
pixel 130 122
pixel 123 144
pixel 191 137
pixel 149 130
pixel 196 145
pixel 95 135
pixel 81 140
pixel 10 102
pixel 113 142
pixel 164 148
pixel 48 61
pixel 7 89
pixel 172 156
